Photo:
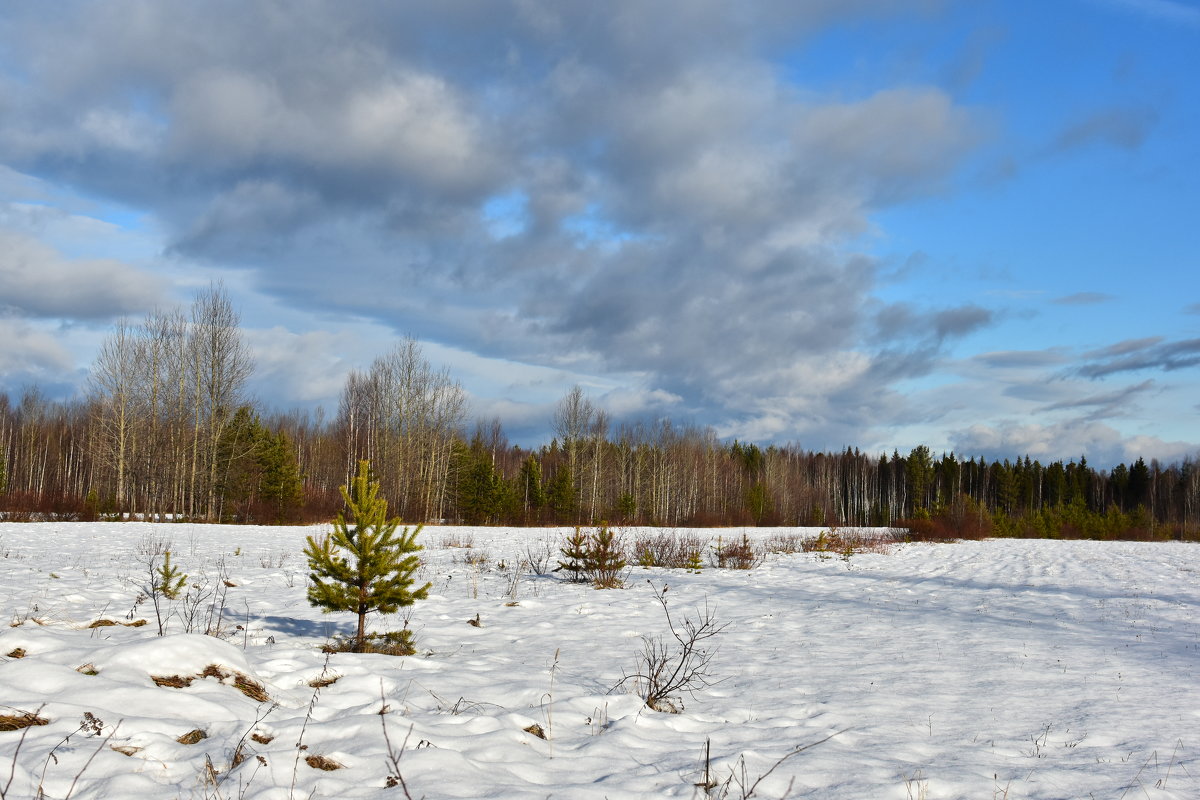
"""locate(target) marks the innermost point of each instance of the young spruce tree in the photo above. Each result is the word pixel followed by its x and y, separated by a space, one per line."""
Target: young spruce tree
pixel 365 566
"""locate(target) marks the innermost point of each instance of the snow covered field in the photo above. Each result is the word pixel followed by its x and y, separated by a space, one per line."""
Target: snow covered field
pixel 995 669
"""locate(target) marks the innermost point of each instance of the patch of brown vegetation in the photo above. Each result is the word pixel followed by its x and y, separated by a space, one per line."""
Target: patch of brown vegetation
pixel 849 543
pixel 192 737
pixel 262 738
pixel 17 652
pixel 243 683
pixel 393 643
pixel 668 549
pixel 322 763
pixel 173 681
pixel 15 722
pixel 322 682
pixel 536 730
pixel 126 749
pixel 108 623
pixel 87 669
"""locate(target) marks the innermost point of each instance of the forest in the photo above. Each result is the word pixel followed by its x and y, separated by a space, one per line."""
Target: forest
pixel 165 431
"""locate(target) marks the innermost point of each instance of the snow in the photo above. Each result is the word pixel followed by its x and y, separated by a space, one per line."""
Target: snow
pixel 993 669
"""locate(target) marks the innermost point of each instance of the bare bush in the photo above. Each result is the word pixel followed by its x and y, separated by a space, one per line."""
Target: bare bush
pixel 848 543
pixel 669 549
pixel 668 668
pixel 737 554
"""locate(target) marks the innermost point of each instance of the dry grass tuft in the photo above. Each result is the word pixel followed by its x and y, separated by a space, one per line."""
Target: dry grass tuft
pixel 108 623
pixel 173 681
pixel 393 643
pixel 321 683
pixel 262 738
pixel 126 749
pixel 15 722
pixel 192 737
pixel 87 669
pixel 322 763
pixel 458 540
pixel 243 683
pixel 18 652
pixel 536 730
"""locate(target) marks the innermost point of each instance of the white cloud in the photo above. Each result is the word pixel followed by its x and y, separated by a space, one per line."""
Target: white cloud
pixel 35 280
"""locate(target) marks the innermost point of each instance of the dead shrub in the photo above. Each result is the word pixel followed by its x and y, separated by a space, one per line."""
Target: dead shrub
pixel 848 543
pixel 668 549
pixel 738 554
pixel 784 543
pixel 666 669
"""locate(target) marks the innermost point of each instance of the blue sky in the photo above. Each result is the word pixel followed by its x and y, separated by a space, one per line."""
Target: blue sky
pixel 874 224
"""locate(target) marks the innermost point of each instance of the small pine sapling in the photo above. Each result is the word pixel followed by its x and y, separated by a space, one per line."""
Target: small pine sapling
pixel 575 556
pixel 365 566
pixel 169 579
pixel 606 559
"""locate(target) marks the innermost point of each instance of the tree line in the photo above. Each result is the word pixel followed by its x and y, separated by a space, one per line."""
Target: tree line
pixel 167 431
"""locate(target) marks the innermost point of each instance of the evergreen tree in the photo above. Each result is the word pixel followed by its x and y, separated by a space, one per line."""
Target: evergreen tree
pixel 281 487
pixel 365 566
pixel 561 495
pixel 530 482
pixel 576 555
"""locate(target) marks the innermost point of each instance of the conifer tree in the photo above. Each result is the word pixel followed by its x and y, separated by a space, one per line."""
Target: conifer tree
pixel 576 554
pixel 364 566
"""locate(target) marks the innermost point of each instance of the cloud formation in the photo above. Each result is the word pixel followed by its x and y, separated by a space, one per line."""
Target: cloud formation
pixel 36 281
pixel 672 207
pixel 557 188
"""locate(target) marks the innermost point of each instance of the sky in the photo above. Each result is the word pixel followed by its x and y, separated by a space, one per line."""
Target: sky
pixel 868 223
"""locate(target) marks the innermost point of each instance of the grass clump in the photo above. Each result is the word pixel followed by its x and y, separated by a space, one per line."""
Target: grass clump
pixel 243 683
pixel 323 680
pixel 393 643
pixel 16 722
pixel 173 681
pixel 193 737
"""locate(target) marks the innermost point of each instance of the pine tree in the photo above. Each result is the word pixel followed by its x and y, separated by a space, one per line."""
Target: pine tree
pixel 576 554
pixel 366 566
pixel 560 495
